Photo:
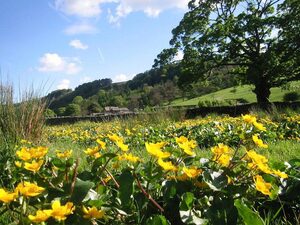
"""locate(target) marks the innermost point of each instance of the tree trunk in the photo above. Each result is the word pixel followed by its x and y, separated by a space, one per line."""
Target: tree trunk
pixel 262 91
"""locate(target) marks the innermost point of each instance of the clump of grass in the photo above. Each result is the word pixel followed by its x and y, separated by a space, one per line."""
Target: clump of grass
pixel 23 120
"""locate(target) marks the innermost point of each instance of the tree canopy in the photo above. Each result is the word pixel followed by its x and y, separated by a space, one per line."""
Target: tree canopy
pixel 257 40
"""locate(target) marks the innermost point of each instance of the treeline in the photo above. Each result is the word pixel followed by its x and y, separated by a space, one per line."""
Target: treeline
pixel 154 87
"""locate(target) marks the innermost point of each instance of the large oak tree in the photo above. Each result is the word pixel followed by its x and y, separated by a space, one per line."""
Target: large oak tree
pixel 258 40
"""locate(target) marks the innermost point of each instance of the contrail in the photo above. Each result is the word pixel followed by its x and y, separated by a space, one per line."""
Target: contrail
pixel 101 56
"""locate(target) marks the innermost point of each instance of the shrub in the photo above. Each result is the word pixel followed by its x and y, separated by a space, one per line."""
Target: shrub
pixel 291 96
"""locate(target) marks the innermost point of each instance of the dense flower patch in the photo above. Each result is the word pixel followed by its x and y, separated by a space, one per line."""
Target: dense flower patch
pixel 150 175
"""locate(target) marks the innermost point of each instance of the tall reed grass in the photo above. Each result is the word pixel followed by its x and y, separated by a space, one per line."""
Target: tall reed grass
pixel 22 119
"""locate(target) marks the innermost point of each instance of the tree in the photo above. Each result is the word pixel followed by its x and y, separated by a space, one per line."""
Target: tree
pixel 49 113
pixel 73 110
pixel 61 111
pixel 93 108
pixel 246 38
pixel 77 100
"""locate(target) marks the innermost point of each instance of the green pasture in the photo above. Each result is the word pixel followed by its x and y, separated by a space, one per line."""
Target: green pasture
pixel 240 92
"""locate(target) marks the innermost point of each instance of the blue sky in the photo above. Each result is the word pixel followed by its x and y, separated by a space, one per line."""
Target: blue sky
pixel 63 43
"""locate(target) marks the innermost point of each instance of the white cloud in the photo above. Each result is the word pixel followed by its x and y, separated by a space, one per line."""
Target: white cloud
pixel 52 62
pixel 81 28
pixel 81 8
pixel 151 8
pixel 92 8
pixel 64 84
pixel 121 78
pixel 78 44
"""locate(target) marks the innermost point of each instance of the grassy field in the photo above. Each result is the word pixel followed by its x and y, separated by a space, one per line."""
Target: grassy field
pixel 108 170
pixel 244 92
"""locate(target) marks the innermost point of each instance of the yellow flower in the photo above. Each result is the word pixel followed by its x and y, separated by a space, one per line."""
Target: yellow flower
pixel 192 172
pixel 33 166
pixel 221 149
pixel 60 212
pixel 258 162
pixel 92 151
pixel 115 138
pixel 167 165
pixel 122 146
pixel 18 164
pixel 258 141
pixel 39 152
pixel 280 174
pixel 7 197
pixel 24 154
pixel 127 131
pixel 102 144
pixel 222 154
pixel 155 149
pixel 27 154
pixel 186 145
pixel 262 186
pixel 29 189
pixel 223 160
pixel 41 216
pixel 259 126
pixel 249 118
pixel 93 213
pixel 65 154
pixel 129 157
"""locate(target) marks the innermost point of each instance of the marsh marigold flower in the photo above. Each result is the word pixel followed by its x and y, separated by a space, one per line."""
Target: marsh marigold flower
pixel 259 126
pixel 29 189
pixel 249 118
pixel 41 216
pixel 33 166
pixel 115 138
pixel 93 152
pixel 222 154
pixel 63 155
pixel 258 141
pixel 280 174
pixel 155 149
pixel 191 172
pixel 122 146
pixel 92 213
pixel 186 145
pixel 102 144
pixel 262 186
pixel 60 212
pixel 129 157
pixel 168 166
pixel 7 197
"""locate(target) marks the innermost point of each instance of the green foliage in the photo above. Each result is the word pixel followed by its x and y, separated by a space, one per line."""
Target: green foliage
pixel 49 113
pixel 248 215
pixel 237 38
pixel 73 110
pixel 61 111
pixel 135 186
pixel 77 100
pixel 291 96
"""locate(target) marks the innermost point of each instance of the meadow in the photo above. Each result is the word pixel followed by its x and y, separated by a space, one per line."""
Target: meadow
pixel 233 95
pixel 212 170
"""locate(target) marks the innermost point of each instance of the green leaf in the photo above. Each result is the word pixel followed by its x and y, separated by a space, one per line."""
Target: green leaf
pixel 248 215
pixel 126 187
pixel 58 163
pixel 81 189
pixel 187 201
pixel 157 220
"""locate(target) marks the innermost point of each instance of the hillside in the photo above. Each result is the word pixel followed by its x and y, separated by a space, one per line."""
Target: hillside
pixel 235 94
